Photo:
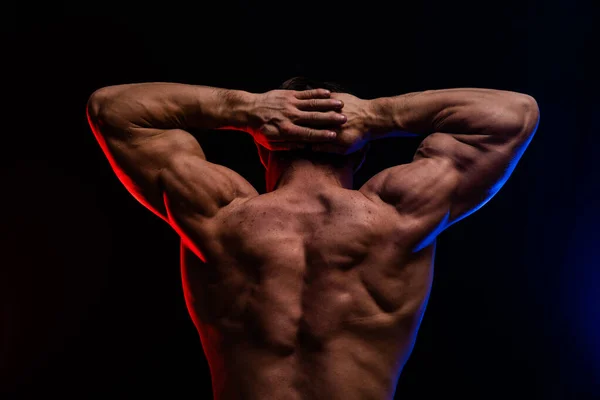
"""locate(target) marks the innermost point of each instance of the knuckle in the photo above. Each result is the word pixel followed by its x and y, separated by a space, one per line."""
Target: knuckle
pixel 285 127
pixel 293 114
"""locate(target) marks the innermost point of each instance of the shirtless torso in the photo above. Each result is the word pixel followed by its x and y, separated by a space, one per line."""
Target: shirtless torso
pixel 311 294
pixel 312 290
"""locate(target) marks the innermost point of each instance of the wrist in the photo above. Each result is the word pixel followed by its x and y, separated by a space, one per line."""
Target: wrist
pixel 390 117
pixel 379 117
pixel 236 109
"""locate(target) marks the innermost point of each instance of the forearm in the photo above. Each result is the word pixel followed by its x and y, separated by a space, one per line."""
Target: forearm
pixel 464 111
pixel 169 106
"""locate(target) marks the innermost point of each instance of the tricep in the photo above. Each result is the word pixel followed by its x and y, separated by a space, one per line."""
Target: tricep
pixel 481 162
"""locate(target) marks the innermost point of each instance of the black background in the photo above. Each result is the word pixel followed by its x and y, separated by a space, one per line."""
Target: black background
pixel 91 298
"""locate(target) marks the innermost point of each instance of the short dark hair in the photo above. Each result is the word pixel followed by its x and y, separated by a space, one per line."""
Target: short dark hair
pixel 303 83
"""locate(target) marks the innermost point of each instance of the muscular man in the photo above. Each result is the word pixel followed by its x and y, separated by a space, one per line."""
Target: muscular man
pixel 311 290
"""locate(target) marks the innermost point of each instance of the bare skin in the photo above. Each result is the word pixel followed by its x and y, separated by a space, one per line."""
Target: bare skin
pixel 312 290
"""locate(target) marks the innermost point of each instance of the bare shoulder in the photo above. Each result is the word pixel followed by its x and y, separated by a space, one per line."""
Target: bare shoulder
pixel 420 194
pixel 416 189
pixel 195 192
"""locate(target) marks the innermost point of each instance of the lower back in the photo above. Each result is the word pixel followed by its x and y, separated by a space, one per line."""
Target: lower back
pixel 346 368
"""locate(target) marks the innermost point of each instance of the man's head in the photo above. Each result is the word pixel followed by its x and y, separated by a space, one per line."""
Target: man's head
pixel 302 83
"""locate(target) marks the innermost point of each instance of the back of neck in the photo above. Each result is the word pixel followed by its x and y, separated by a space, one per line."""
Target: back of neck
pixel 308 174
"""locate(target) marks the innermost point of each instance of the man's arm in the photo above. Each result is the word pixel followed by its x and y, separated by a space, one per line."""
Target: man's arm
pixel 475 137
pixel 142 129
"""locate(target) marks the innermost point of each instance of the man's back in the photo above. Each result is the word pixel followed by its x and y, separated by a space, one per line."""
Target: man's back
pixel 312 290
pixel 308 294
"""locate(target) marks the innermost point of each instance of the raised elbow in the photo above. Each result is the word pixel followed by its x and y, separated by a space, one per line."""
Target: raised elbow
pixel 99 100
pixel 530 113
pixel 94 104
pixel 101 110
pixel 522 114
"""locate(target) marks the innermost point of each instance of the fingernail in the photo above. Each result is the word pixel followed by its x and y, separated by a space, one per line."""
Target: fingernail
pixel 338 103
pixel 331 134
pixel 341 117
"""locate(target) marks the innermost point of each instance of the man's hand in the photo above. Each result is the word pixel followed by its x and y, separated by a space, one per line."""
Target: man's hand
pixel 289 119
pixel 354 134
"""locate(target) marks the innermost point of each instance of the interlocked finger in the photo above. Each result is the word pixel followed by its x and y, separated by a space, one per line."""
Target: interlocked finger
pixel 313 94
pixel 302 134
pixel 320 118
pixel 320 105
